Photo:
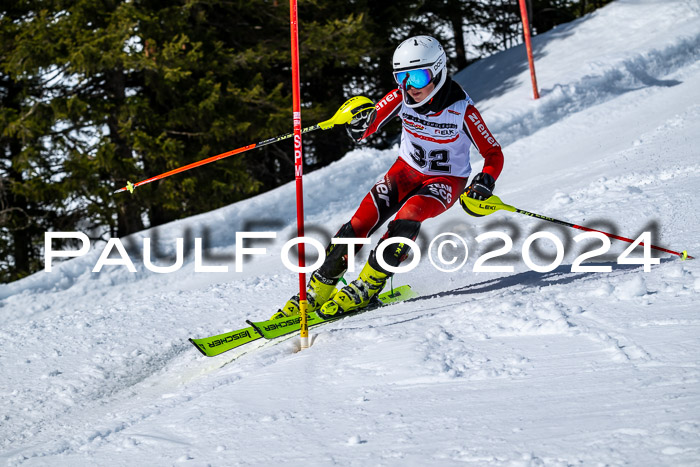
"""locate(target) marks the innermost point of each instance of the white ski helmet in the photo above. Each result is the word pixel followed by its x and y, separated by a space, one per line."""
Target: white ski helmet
pixel 425 57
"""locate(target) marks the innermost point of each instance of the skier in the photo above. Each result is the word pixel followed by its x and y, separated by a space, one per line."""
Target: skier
pixel 439 124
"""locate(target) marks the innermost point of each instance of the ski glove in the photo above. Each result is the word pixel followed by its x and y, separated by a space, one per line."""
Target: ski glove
pixel 481 187
pixel 358 125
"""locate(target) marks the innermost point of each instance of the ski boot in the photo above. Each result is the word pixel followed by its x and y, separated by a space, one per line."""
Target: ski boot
pixel 318 292
pixel 322 284
pixel 357 294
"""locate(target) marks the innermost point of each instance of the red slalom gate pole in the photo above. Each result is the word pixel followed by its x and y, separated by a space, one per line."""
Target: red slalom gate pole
pixel 528 46
pixel 298 169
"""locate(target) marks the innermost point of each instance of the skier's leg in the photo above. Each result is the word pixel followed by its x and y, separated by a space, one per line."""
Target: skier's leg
pixel 373 277
pixel 385 198
pixel 383 201
pixel 431 200
pixel 376 207
pixel 436 196
pixel 322 283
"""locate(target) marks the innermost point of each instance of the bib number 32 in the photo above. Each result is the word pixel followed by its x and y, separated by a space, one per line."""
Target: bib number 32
pixel 438 160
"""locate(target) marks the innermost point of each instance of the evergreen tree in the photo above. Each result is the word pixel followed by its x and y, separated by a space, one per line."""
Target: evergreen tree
pixel 33 196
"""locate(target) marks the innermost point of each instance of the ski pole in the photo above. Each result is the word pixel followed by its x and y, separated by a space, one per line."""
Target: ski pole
pixel 345 113
pixel 478 208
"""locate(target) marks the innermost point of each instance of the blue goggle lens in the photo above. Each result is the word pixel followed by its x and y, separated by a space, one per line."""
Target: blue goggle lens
pixel 415 78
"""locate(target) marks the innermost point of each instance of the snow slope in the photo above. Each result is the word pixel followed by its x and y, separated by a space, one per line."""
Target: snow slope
pixel 520 368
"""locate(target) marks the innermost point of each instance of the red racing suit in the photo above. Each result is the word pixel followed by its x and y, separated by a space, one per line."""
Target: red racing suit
pixel 433 166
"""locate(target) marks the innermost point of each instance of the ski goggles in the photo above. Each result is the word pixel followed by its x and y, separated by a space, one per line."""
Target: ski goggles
pixel 418 79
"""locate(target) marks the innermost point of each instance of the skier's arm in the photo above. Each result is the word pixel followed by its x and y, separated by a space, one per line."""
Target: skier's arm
pixel 484 142
pixel 386 109
pixel 483 183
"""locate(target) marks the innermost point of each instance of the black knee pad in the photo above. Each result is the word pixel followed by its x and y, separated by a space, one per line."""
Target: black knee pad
pixel 403 228
pixel 397 253
pixel 336 262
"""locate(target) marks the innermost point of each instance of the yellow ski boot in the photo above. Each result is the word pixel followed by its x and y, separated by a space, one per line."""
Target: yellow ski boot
pixel 357 294
pixel 318 292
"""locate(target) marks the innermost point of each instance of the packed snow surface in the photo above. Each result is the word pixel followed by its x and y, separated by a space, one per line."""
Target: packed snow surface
pixel 485 368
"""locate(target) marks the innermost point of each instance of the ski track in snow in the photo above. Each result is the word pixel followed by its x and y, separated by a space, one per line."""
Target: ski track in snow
pixel 520 369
